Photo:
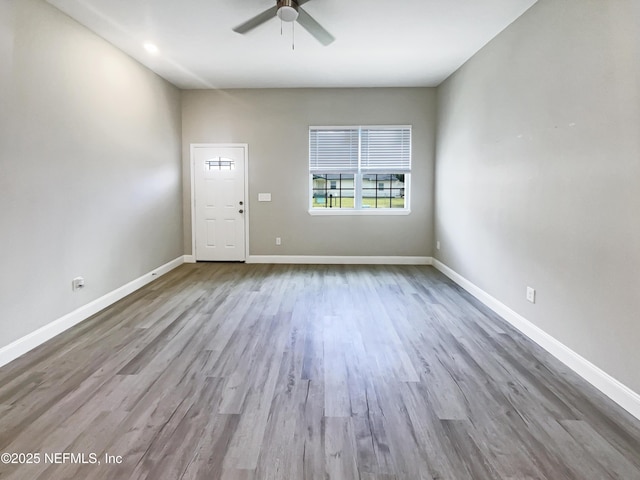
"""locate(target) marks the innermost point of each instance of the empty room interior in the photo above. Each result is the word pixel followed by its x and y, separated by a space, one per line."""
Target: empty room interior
pixel 365 240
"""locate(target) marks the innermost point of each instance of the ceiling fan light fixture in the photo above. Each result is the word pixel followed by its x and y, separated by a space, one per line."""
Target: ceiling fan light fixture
pixel 287 11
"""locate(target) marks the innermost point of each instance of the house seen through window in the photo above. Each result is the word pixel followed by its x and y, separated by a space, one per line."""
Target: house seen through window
pixel 364 168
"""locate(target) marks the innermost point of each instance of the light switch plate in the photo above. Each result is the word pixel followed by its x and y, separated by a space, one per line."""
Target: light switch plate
pixel 264 197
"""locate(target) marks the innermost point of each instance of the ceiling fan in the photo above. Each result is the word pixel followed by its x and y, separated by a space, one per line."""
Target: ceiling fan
pixel 289 11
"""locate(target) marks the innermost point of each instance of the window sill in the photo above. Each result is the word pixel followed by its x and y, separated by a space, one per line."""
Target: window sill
pixel 341 212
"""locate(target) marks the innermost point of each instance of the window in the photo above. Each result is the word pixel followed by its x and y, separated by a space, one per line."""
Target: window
pixel 219 163
pixel 339 194
pixel 359 170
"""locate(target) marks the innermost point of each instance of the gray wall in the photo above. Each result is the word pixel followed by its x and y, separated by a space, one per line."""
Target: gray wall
pixel 538 175
pixel 89 167
pixel 275 125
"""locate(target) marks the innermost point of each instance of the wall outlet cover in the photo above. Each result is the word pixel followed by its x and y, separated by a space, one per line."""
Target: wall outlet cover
pixel 77 283
pixel 531 295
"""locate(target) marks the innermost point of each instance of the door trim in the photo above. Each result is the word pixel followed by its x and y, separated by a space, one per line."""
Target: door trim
pixel 193 146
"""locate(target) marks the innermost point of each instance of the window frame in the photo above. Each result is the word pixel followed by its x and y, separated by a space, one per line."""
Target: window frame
pixel 358 177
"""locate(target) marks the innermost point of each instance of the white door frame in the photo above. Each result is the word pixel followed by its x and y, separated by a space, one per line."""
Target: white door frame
pixel 193 192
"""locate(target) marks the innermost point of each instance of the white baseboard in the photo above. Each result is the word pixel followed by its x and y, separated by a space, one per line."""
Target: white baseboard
pixel 189 259
pixel 612 388
pixel 32 340
pixel 338 260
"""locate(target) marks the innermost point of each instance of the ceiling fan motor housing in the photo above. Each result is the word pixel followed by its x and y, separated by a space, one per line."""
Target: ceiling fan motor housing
pixel 287 10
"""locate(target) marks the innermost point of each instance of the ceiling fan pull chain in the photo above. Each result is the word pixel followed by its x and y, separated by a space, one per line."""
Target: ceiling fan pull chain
pixel 293 35
pixel 281 27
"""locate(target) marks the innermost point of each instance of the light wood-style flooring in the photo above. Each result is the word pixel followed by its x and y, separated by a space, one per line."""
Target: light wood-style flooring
pixel 247 372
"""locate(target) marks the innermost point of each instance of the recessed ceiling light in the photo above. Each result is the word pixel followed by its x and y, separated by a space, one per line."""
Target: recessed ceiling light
pixel 151 48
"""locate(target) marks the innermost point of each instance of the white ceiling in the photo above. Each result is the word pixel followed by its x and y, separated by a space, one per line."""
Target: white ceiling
pixel 378 43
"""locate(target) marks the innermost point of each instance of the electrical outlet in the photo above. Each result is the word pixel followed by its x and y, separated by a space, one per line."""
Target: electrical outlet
pixel 438 245
pixel 531 295
pixel 77 283
pixel 278 241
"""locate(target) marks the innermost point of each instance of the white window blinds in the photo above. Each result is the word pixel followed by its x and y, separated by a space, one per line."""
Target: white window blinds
pixel 333 150
pixel 384 149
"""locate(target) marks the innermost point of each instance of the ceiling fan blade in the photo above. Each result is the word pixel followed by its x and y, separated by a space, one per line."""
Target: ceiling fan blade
pixel 257 20
pixel 314 28
pixel 301 2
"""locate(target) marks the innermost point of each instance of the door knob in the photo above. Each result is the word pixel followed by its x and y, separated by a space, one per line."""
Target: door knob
pixel 241 211
pixel 241 203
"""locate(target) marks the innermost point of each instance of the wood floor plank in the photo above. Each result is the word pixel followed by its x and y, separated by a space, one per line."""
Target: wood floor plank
pixel 478 466
pixel 337 400
pixel 381 442
pixel 615 463
pixel 284 457
pixel 409 458
pixel 208 456
pixel 310 431
pixel 340 449
pixel 249 437
pixel 254 372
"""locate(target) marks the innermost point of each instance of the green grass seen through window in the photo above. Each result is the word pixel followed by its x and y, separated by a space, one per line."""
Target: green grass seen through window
pixel 367 202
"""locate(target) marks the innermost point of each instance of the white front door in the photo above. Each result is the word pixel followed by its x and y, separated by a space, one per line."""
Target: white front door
pixel 219 202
